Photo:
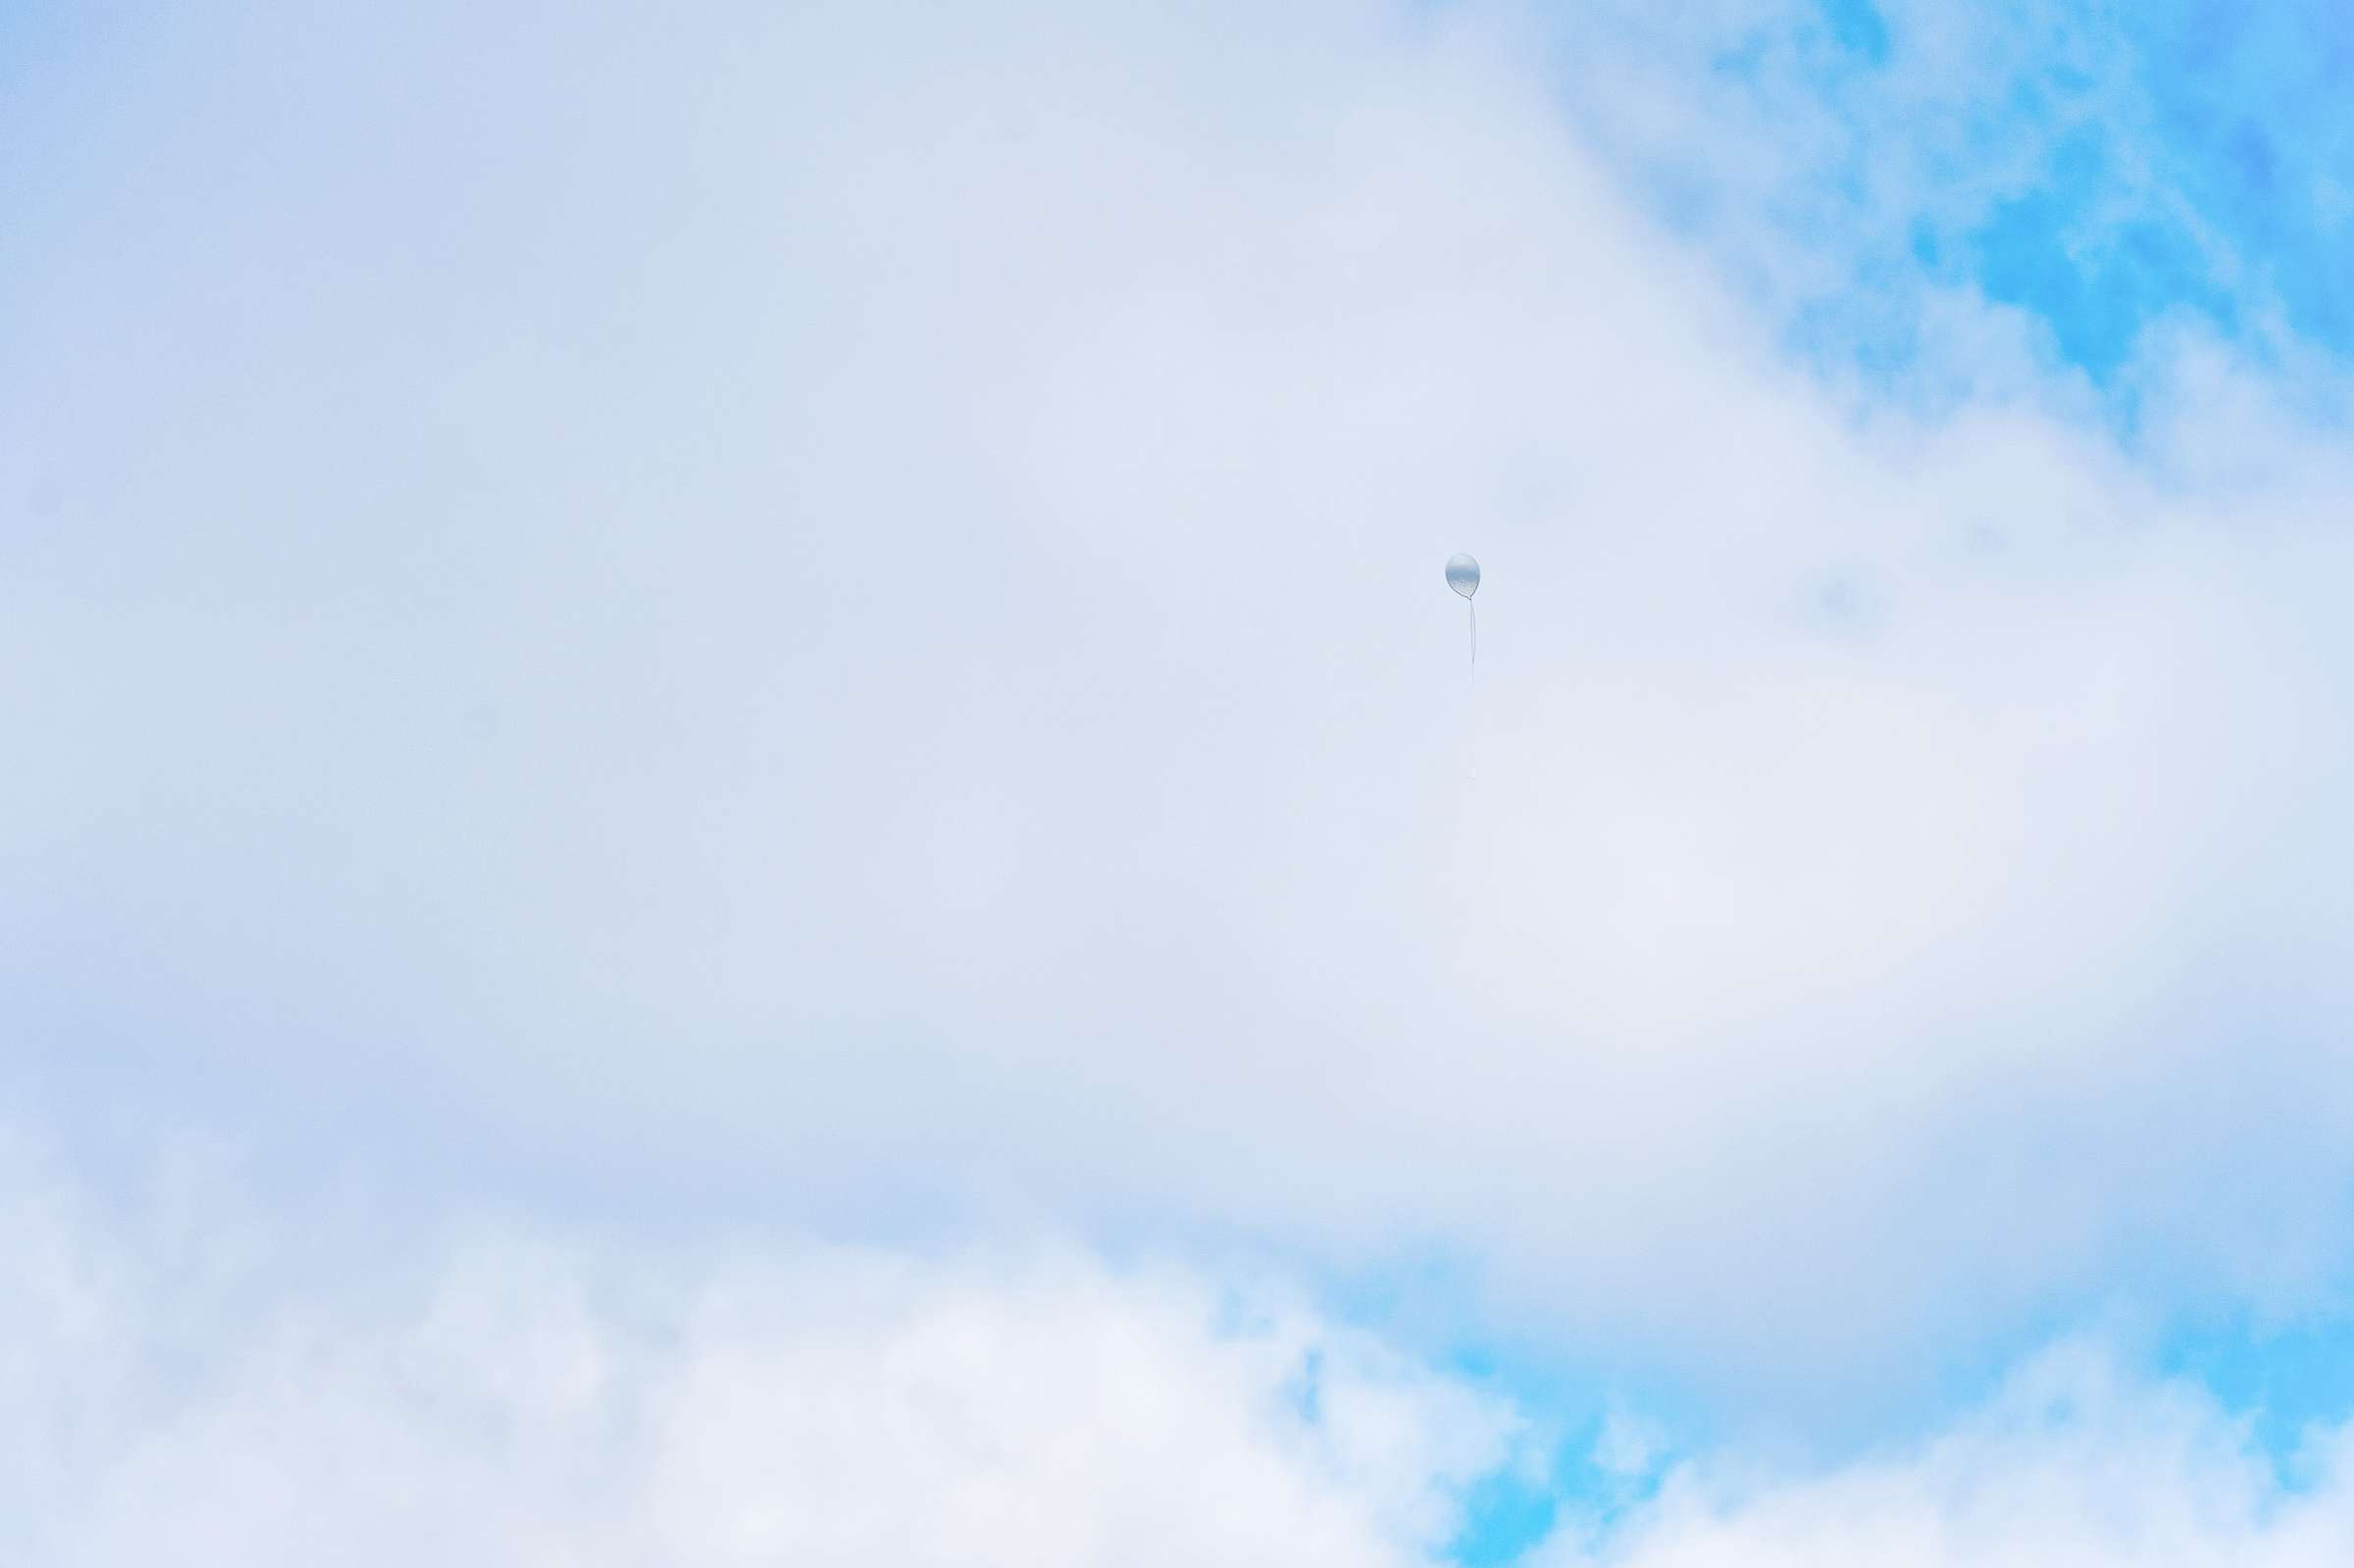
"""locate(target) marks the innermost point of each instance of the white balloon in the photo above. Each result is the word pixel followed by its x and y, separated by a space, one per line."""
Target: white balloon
pixel 1463 575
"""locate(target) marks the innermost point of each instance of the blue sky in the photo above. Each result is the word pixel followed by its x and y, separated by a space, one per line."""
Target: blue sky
pixel 2105 170
pixel 747 824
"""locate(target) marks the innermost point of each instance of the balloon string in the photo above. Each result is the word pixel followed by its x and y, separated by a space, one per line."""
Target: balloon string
pixel 1475 609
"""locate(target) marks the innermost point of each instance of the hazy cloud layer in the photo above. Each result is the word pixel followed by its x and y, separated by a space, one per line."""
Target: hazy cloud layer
pixel 841 607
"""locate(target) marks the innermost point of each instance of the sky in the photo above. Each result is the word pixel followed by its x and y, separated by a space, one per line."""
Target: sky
pixel 744 820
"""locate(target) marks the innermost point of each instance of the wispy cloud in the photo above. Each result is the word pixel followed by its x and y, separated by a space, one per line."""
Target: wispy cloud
pixel 2108 180
pixel 2075 1461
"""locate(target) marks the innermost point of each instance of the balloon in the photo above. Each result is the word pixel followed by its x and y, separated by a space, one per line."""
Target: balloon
pixel 1463 575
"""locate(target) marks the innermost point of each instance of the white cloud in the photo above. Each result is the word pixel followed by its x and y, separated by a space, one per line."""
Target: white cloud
pixel 844 605
pixel 2076 1462
pixel 1629 1445
pixel 187 1372
pixel 509 1395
